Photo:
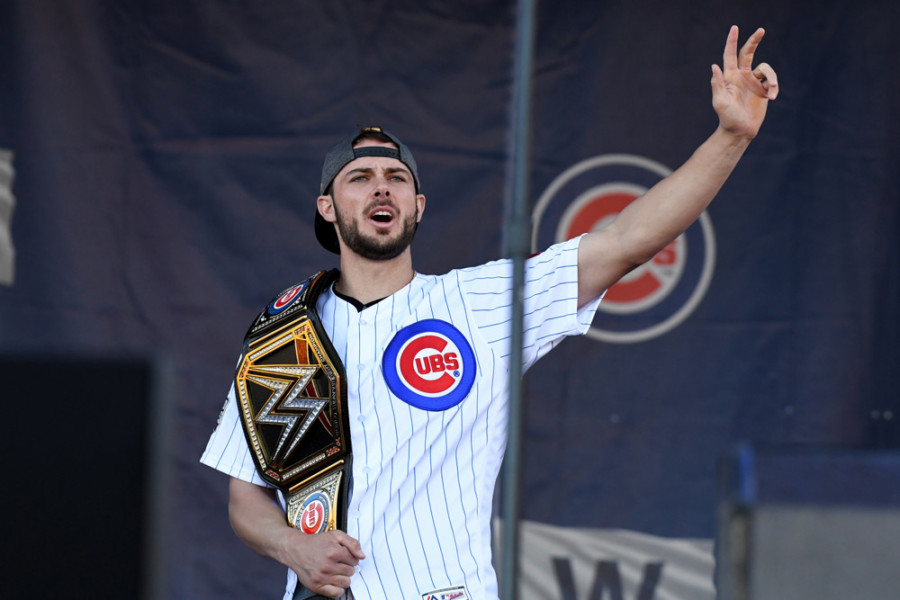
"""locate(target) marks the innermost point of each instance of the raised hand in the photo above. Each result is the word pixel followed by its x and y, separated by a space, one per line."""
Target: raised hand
pixel 741 93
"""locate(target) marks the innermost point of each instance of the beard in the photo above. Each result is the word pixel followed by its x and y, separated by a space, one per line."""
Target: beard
pixel 377 247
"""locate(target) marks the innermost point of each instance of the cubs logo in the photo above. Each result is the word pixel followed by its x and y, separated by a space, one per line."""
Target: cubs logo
pixel 286 299
pixel 429 365
pixel 657 296
pixel 315 514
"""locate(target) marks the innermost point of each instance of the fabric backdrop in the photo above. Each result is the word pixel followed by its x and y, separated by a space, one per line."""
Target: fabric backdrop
pixel 166 159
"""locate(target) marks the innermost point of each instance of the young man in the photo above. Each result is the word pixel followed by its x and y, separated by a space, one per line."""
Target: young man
pixel 428 443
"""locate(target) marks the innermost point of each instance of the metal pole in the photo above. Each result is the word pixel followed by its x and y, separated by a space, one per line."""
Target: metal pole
pixel 517 247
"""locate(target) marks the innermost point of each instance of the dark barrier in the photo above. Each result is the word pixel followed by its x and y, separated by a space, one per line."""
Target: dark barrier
pixel 85 494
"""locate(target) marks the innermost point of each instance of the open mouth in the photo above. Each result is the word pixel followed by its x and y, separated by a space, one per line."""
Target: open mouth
pixel 382 216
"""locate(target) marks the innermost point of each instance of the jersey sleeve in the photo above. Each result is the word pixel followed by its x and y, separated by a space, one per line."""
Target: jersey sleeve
pixel 550 301
pixel 227 449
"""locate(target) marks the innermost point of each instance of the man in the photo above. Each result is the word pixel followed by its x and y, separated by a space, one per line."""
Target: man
pixel 425 459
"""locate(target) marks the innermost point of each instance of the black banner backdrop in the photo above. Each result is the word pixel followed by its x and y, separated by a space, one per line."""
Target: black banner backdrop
pixel 167 157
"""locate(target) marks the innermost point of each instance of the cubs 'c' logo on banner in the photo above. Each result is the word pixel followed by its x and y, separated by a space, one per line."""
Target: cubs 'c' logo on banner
pixel 429 365
pixel 654 298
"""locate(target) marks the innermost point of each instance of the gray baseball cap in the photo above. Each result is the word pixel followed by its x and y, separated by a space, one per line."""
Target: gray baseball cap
pixel 342 153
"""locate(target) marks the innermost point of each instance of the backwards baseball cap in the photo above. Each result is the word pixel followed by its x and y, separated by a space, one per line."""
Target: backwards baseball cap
pixel 342 153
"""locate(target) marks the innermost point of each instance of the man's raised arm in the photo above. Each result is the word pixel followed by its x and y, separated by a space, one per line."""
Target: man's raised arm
pixel 741 94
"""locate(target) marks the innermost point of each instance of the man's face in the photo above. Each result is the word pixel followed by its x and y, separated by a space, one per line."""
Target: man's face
pixel 375 206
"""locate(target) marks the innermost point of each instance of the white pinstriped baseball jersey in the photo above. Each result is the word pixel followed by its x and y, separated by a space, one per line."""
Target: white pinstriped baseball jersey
pixel 427 379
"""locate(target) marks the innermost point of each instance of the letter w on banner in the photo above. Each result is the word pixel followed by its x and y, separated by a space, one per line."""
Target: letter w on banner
pixel 571 563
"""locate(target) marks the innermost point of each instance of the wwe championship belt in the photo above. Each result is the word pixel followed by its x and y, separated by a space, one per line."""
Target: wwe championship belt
pixel 293 405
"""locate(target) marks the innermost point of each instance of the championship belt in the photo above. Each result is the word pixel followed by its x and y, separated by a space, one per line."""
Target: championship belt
pixel 293 404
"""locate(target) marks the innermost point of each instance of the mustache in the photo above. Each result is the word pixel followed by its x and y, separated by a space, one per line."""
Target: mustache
pixel 381 203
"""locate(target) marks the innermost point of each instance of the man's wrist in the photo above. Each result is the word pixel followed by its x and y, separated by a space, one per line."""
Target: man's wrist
pixel 734 139
pixel 282 544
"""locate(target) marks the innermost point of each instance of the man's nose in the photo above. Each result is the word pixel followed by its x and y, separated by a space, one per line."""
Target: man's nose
pixel 381 188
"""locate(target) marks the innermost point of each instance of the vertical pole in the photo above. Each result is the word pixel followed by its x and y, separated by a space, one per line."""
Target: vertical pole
pixel 157 500
pixel 517 247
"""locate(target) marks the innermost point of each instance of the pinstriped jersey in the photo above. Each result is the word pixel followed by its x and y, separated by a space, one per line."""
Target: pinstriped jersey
pixel 427 379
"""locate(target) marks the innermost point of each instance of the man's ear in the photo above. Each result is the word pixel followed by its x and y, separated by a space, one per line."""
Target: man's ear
pixel 325 205
pixel 420 206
